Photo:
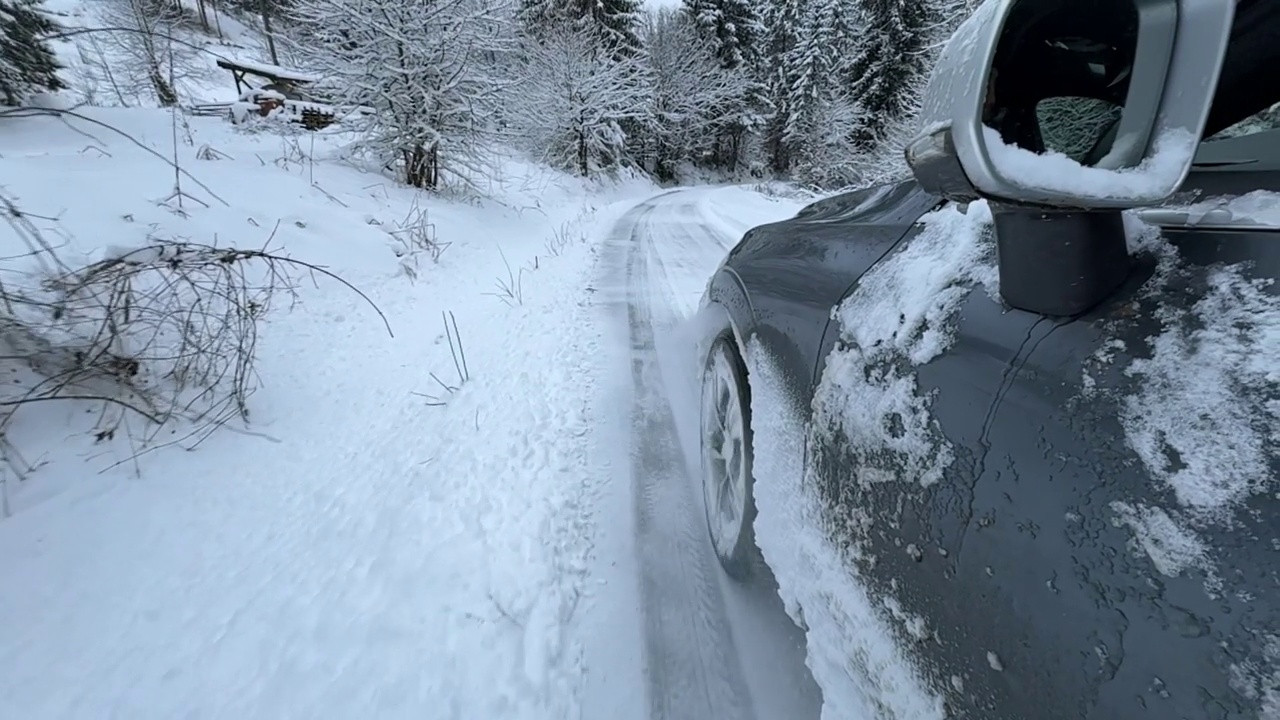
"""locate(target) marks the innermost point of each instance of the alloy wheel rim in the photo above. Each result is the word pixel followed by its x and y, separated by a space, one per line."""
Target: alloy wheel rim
pixel 723 447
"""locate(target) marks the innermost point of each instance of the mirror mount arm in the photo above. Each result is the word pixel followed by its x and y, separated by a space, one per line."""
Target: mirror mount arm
pixel 1059 262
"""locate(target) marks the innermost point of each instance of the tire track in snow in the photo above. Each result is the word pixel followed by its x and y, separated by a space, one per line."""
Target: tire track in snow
pixel 691 662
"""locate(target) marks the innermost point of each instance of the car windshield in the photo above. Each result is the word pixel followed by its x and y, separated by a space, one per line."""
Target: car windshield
pixel 1260 122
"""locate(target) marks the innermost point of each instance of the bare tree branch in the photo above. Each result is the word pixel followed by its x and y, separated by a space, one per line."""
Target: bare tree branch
pixel 167 332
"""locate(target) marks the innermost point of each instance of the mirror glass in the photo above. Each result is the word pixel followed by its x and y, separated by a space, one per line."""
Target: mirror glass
pixel 1078 127
pixel 1061 79
pixel 1263 121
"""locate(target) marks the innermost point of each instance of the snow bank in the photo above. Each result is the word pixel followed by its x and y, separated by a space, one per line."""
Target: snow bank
pixel 732 211
pixel 374 544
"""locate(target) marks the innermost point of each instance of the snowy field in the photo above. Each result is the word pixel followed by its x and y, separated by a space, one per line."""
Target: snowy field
pixel 361 545
pixel 429 509
pixel 393 533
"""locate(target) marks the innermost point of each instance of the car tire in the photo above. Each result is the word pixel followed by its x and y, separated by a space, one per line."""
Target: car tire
pixel 727 482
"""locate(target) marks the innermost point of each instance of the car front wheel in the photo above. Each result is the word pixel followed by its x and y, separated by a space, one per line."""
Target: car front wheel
pixel 726 459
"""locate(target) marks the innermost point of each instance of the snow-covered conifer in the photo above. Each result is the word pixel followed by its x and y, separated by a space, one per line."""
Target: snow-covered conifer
pixel 615 23
pixel 692 94
pixel 783 20
pixel 736 32
pixel 733 25
pixel 27 63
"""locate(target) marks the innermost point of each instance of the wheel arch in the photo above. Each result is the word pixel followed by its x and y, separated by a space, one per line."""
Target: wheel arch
pixel 727 311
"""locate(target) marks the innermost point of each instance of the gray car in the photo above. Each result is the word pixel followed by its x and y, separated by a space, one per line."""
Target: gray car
pixel 1077 491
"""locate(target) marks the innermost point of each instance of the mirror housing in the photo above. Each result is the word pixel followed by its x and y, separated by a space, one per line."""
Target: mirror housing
pixel 1176 56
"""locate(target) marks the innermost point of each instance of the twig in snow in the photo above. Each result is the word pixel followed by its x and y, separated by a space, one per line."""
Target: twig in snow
pixel 207 152
pixel 166 332
pixel 511 290
pixel 415 236
pixel 504 612
pixel 29 112
pixel 459 364
pixel 562 236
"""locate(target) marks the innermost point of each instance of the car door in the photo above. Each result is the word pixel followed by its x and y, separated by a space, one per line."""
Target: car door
pixel 1061 566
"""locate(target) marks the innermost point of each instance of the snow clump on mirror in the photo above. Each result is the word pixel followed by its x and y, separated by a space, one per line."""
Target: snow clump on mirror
pixel 1156 176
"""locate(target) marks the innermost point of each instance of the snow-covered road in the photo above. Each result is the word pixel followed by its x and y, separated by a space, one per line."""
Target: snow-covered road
pixel 711 648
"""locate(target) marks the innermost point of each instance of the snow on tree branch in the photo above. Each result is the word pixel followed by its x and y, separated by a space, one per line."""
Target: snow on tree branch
pixel 147 61
pixel 691 92
pixel 572 96
pixel 430 70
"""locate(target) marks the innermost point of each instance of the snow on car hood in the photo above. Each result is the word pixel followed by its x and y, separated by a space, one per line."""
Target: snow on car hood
pixel 1209 395
pixel 1260 680
pixel 1202 415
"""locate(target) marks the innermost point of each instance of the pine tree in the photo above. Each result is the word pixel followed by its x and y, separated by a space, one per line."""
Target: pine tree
pixel 820 109
pixel 783 20
pixel 27 63
pixel 892 58
pixel 732 25
pixel 616 21
pixel 735 32
pixel 693 98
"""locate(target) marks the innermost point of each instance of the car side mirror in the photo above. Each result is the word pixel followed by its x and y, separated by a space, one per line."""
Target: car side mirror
pixel 1083 104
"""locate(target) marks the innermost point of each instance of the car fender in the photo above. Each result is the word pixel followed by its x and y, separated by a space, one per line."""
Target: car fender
pixel 725 307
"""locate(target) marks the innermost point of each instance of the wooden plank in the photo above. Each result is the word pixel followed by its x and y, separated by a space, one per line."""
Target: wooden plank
pixel 265 70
